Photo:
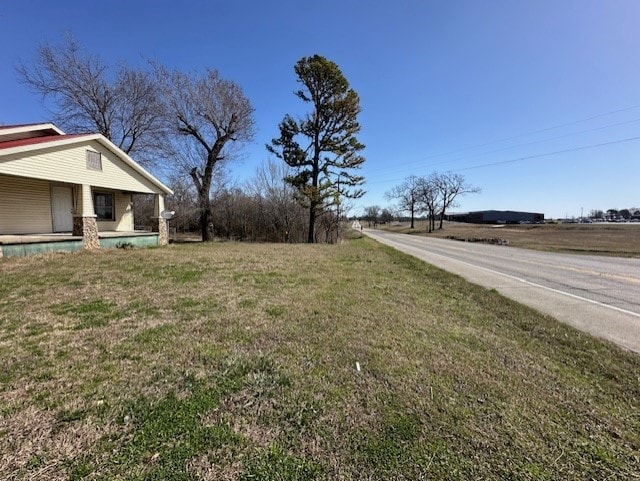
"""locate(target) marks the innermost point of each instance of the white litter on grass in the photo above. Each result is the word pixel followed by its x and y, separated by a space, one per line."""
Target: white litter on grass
pixel 358 366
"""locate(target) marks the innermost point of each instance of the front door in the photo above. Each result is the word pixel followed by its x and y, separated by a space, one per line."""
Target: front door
pixel 61 208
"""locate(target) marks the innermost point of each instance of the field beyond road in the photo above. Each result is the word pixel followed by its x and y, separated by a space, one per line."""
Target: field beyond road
pixel 622 240
pixel 240 361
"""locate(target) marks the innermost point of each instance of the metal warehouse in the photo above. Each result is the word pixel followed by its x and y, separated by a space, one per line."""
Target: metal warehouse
pixel 498 217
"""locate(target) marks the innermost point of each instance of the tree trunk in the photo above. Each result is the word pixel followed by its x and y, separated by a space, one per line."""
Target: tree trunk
pixel 431 221
pixel 312 225
pixel 205 217
pixel 412 216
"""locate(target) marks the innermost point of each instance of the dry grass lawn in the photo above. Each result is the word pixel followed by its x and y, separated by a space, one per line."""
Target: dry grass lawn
pixel 237 361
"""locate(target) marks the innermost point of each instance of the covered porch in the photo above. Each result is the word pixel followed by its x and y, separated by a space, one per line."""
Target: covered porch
pixel 38 216
pixel 71 192
pixel 19 245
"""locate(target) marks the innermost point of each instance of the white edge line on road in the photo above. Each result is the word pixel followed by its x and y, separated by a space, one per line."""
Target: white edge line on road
pixel 551 289
pixel 557 291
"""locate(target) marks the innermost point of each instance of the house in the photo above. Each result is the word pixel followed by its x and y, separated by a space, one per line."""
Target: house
pixel 70 192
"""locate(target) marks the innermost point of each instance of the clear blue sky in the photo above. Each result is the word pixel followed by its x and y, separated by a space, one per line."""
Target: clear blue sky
pixel 442 83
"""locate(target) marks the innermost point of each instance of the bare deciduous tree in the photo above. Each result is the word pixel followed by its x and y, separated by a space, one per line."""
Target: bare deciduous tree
pixel 280 217
pixel 229 213
pixel 372 214
pixel 212 117
pixel 407 195
pixel 429 199
pixel 87 96
pixel 185 204
pixel 450 186
pixel 438 192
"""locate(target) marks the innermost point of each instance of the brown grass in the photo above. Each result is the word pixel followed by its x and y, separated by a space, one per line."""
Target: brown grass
pixel 622 240
pixel 235 361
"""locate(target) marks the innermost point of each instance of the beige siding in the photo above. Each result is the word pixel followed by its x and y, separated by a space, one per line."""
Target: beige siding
pixel 68 164
pixel 123 214
pixel 25 206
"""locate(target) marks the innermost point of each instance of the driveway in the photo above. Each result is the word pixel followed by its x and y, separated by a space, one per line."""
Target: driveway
pixel 599 295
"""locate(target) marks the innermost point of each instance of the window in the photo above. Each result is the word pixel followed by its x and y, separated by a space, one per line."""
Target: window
pixel 103 205
pixel 94 160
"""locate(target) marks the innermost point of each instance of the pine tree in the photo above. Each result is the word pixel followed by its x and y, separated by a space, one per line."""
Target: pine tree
pixel 322 146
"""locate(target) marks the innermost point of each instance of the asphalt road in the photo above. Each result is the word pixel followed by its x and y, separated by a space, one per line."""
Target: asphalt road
pixel 599 295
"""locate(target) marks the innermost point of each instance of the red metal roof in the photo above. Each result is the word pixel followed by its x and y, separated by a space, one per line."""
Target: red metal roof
pixel 39 140
pixel 2 127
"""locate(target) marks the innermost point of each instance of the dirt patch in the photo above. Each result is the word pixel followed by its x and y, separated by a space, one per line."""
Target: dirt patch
pixel 482 240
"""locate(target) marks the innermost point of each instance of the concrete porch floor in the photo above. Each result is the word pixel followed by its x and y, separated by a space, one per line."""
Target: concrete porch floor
pixel 64 236
pixel 33 244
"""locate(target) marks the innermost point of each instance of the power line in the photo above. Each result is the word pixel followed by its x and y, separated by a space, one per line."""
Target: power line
pixel 575 149
pixel 485 144
pixel 553 128
pixel 529 157
pixel 617 124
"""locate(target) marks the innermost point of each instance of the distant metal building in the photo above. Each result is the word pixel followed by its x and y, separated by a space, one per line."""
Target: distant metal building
pixel 498 217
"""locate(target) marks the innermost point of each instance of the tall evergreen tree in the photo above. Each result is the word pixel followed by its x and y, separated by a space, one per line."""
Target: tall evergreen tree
pixel 322 146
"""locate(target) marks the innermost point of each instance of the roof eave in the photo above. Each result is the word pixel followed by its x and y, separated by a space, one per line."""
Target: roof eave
pixel 16 129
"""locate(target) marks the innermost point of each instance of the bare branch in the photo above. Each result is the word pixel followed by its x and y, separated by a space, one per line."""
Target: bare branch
pixel 87 97
pixel 210 114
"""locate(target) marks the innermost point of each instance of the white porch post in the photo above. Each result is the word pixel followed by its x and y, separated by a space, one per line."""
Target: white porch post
pixel 84 220
pixel 159 223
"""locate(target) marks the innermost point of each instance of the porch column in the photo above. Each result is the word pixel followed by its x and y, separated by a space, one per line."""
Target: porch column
pixel 159 223
pixel 84 220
